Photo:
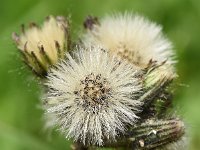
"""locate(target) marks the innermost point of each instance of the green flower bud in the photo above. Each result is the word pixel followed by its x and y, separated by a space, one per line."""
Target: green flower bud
pixel 156 133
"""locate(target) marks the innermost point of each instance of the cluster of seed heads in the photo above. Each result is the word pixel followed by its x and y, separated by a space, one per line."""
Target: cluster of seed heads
pixel 112 89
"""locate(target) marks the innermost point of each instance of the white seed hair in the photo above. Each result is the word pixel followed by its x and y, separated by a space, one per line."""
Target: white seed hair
pixel 87 120
pixel 132 37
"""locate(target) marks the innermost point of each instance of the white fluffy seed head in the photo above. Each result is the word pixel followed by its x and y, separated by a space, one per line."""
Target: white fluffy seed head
pixel 93 97
pixel 43 46
pixel 132 37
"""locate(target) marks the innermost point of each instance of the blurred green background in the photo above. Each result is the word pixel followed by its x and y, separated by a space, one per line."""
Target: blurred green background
pixel 21 125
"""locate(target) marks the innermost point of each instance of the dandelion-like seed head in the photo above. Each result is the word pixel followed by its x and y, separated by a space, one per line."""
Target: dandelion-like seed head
pixel 131 37
pixel 43 46
pixel 93 96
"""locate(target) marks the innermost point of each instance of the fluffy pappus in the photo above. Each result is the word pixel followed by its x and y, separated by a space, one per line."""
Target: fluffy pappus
pixel 132 37
pixel 93 96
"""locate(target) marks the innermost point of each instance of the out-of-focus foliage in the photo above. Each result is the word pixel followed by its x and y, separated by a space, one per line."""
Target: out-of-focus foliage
pixel 21 123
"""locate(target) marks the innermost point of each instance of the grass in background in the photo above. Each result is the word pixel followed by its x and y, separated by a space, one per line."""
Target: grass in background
pixel 21 125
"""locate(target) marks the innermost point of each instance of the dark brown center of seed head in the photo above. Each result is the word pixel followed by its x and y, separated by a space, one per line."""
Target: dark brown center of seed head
pixel 94 90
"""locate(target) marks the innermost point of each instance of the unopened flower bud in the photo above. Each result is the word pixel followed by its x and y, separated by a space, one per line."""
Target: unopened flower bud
pixel 159 74
pixel 43 46
pixel 156 134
